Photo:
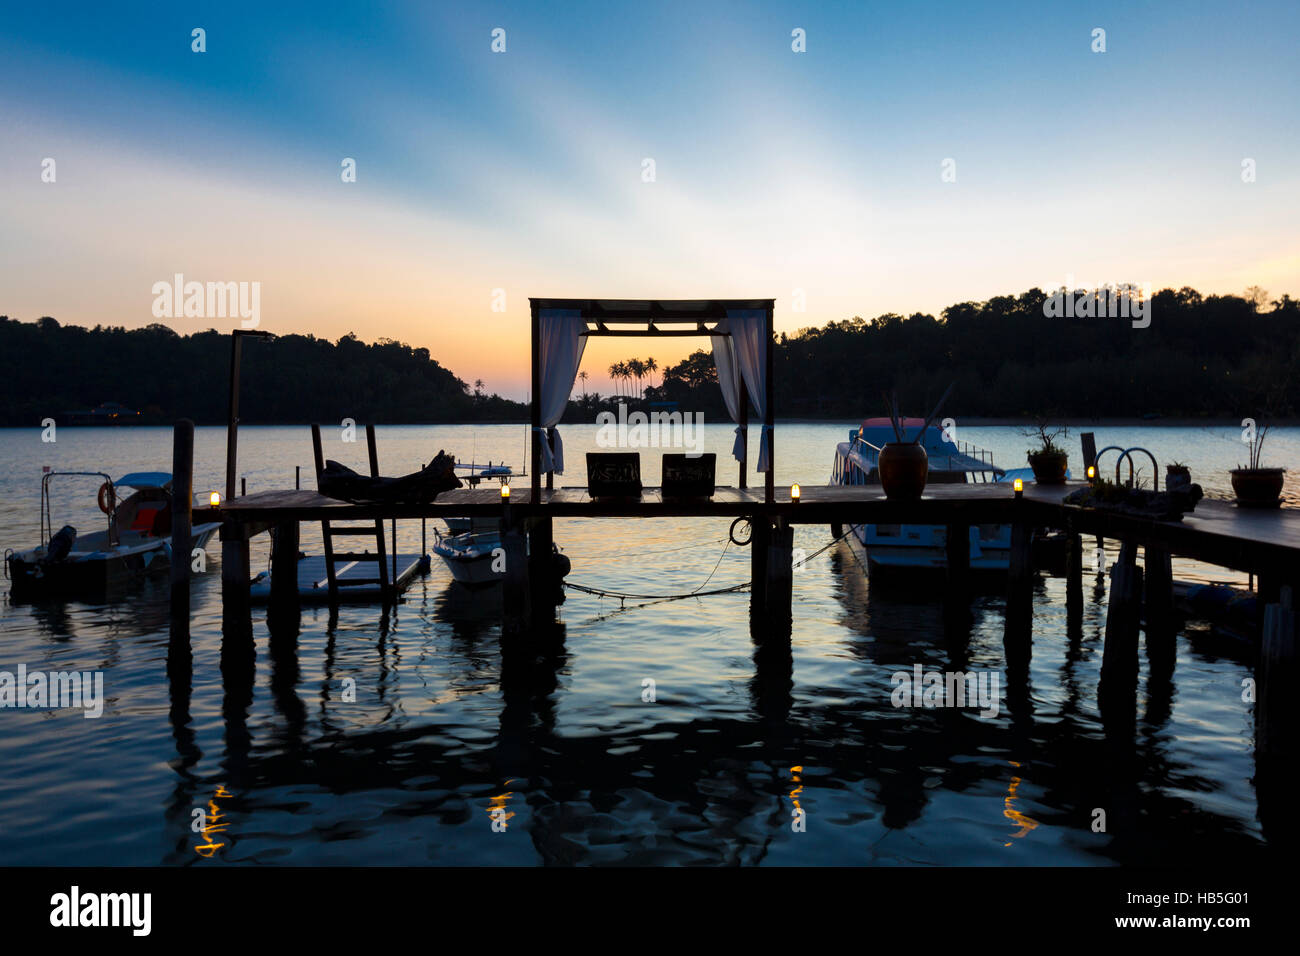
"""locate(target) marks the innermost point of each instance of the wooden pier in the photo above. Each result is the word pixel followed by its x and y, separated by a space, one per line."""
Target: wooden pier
pixel 1265 544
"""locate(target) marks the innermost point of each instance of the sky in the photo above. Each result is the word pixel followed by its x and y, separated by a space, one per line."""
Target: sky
pixel 911 156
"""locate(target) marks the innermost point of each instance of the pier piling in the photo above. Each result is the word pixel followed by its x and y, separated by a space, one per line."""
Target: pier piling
pixel 1119 662
pixel 956 598
pixel 1074 578
pixel 541 574
pixel 284 565
pixel 515 593
pixel 1275 715
pixel 182 515
pixel 779 589
pixel 1159 607
pixel 1018 635
pixel 759 540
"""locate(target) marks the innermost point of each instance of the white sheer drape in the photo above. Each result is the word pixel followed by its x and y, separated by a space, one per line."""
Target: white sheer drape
pixel 724 359
pixel 749 340
pixel 561 347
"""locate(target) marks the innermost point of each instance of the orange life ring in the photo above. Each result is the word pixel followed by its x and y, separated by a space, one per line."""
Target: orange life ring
pixel 107 498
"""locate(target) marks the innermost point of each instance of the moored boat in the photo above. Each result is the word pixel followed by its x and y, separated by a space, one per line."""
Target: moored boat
pixel 136 541
pixel 893 548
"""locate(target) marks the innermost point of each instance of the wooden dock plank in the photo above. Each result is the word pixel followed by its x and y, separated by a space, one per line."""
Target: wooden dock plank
pixel 1217 532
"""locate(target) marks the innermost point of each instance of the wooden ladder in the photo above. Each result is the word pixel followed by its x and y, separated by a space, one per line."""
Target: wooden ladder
pixel 329 531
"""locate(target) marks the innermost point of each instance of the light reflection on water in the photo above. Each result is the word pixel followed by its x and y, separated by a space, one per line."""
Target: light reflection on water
pixel 443 730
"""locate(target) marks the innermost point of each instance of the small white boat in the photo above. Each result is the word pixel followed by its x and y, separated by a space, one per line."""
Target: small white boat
pixel 474 558
pixel 918 548
pixel 135 543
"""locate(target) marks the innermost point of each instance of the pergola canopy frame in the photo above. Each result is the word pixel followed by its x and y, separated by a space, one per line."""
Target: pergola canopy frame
pixel 655 318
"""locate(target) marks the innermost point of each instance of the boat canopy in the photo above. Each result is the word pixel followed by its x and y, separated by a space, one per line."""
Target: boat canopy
pixel 145 479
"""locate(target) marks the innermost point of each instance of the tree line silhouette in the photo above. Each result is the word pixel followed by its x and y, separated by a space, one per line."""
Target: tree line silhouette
pixel 48 370
pixel 1201 356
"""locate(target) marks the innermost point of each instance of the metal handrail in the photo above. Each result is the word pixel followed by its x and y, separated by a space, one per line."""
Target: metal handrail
pixel 1128 453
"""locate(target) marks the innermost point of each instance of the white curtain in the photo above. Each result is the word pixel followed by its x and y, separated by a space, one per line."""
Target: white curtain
pixel 724 358
pixel 749 340
pixel 562 344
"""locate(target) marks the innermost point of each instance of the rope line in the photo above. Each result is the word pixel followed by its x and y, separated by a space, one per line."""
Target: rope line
pixel 698 592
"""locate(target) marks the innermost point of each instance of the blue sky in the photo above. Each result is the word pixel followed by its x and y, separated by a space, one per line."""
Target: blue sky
pixel 776 171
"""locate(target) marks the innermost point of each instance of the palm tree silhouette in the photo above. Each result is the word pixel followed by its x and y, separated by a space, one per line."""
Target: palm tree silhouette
pixel 583 375
pixel 651 366
pixel 636 367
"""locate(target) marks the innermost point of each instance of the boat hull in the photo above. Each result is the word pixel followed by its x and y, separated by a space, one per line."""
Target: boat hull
pixel 96 572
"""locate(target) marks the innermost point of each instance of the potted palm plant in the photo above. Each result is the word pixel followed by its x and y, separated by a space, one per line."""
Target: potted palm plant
pixel 904 466
pixel 1049 460
pixel 1254 485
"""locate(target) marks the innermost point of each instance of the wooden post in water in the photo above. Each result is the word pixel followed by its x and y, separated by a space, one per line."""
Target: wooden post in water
pixel 1268 590
pixel 1074 577
pixel 760 536
pixel 1017 638
pixel 284 565
pixel 1159 607
pixel 779 592
pixel 956 598
pixel 1275 711
pixel 1119 660
pixel 541 573
pixel 516 609
pixel 182 515
pixel 235 567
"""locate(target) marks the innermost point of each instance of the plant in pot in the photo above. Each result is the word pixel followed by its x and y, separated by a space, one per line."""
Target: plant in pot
pixel 904 466
pixel 1049 461
pixel 1177 475
pixel 1256 486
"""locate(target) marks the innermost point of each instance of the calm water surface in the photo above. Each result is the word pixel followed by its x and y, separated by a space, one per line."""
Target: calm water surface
pixel 442 732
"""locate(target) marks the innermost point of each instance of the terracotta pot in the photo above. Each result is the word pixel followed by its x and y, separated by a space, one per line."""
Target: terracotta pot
pixel 1049 469
pixel 1258 487
pixel 904 468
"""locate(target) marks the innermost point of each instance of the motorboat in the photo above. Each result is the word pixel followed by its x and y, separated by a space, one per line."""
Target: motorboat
pixel 135 542
pixel 906 548
pixel 475 558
